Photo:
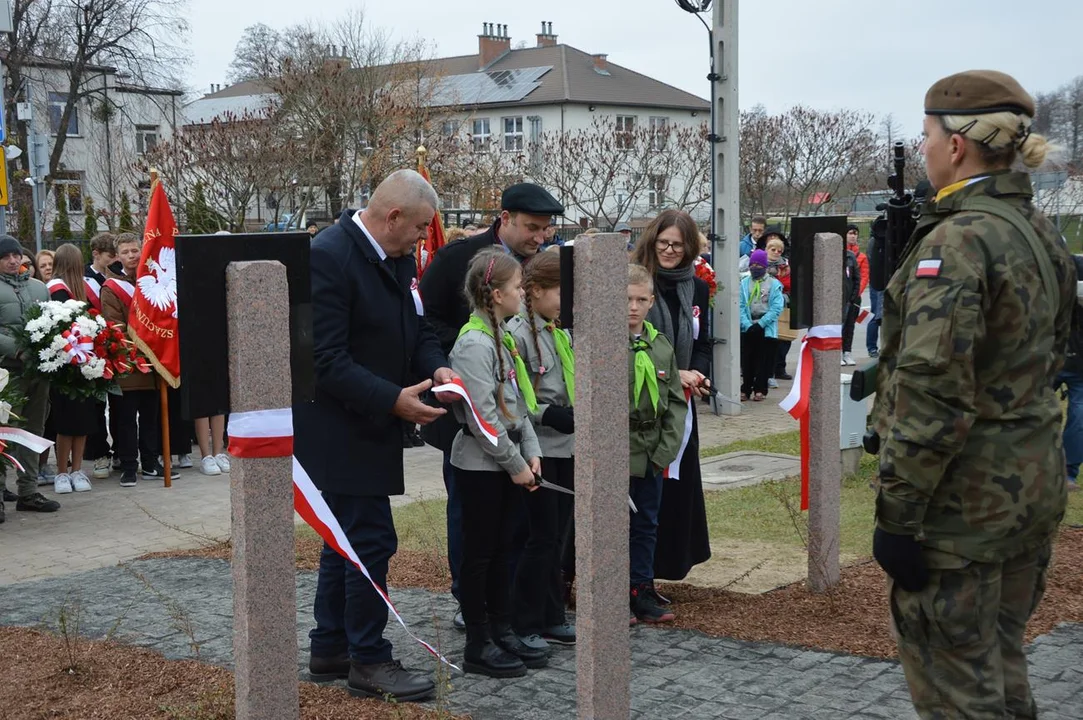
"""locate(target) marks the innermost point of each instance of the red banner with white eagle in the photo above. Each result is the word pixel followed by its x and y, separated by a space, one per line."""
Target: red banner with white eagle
pixel 152 317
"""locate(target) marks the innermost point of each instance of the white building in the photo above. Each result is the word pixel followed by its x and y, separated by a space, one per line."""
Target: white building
pixel 107 135
pixel 504 99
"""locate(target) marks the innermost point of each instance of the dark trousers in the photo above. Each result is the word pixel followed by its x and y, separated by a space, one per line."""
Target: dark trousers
pixel 135 435
pixel 454 524
pixel 489 500
pixel 872 332
pixel 97 442
pixel 538 600
pixel 181 431
pixel 646 493
pixel 783 350
pixel 350 614
pixel 848 323
pixel 757 362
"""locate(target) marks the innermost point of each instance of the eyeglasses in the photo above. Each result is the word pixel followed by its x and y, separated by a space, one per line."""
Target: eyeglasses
pixel 663 245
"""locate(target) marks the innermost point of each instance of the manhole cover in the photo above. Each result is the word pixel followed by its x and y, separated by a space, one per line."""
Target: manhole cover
pixel 735 468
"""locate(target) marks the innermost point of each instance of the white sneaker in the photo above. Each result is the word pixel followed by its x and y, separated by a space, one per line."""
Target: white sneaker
pixel 102 467
pixel 848 359
pixel 772 383
pixel 80 482
pixel 223 462
pixel 208 466
pixel 184 461
pixel 62 484
pixel 46 474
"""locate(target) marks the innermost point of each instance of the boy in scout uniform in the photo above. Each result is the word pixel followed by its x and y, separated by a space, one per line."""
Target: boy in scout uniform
pixel 976 321
pixel 656 427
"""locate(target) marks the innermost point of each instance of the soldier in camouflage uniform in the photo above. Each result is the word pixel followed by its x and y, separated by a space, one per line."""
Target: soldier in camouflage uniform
pixel 976 321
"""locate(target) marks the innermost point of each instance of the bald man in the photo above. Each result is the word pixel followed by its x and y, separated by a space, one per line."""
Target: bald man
pixel 369 337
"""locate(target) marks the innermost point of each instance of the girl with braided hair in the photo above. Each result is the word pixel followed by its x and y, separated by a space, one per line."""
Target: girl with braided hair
pixel 494 454
pixel 547 350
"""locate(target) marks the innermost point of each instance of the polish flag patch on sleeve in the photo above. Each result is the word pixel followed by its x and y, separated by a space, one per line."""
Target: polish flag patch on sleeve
pixel 929 268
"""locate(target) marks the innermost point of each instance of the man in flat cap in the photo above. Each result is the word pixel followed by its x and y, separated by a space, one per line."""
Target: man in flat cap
pixel 526 212
pixel 976 321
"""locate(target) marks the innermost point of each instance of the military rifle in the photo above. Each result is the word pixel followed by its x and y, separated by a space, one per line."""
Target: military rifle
pixel 890 233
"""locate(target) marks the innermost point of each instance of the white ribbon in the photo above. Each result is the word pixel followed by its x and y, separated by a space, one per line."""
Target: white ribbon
pixel 822 332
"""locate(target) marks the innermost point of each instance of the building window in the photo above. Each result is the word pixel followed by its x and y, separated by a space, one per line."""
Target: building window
pixel 146 138
pixel 481 135
pixel 57 101
pixel 513 134
pixel 656 195
pixel 626 127
pixel 659 132
pixel 70 191
pixel 449 128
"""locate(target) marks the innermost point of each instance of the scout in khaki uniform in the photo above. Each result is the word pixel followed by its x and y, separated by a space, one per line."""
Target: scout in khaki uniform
pixel 656 427
pixel 972 477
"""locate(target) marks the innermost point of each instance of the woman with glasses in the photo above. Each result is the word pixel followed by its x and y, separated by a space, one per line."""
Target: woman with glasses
pixel 668 249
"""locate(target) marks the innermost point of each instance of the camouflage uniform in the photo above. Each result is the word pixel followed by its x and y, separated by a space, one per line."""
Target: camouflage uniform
pixel 972 462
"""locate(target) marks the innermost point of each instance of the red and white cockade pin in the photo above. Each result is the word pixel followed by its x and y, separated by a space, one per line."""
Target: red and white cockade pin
pixel 929 268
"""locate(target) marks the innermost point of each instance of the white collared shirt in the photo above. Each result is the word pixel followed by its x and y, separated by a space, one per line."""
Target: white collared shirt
pixel 376 246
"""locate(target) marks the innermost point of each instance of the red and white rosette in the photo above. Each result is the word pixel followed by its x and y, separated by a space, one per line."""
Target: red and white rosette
pixel 79 347
pixel 268 434
pixel 695 322
pixel 416 293
pixel 824 338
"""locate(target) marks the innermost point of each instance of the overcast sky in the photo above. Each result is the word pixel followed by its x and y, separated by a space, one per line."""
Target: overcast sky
pixel 877 55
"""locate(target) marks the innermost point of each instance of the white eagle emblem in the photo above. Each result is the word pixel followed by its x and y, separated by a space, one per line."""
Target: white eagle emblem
pixel 160 287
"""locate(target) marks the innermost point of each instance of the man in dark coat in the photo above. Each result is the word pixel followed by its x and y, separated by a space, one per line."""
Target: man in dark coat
pixel 368 338
pixel 526 212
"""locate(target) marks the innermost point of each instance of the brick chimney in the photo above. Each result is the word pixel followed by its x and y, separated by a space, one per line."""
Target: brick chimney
pixel 546 38
pixel 492 43
pixel 601 63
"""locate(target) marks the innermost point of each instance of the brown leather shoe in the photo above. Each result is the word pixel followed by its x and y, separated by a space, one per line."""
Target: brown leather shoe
pixel 389 681
pixel 328 669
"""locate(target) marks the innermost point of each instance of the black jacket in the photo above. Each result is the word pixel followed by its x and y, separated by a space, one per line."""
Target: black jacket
pixel 701 298
pixel 1073 361
pixel 447 310
pixel 368 341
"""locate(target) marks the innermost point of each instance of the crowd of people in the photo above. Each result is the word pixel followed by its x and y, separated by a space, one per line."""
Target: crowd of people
pixel 121 436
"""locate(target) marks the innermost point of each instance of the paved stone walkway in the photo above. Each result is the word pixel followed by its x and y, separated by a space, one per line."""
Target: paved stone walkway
pixel 675 674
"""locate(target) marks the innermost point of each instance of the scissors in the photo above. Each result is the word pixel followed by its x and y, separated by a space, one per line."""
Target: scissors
pixel 540 482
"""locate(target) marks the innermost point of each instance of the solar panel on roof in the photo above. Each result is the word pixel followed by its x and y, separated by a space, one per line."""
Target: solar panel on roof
pixel 484 88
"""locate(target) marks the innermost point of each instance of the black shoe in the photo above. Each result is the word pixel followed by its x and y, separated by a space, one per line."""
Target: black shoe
pixel 407 441
pixel 783 376
pixel 157 471
pixel 458 621
pixel 2 512
pixel 328 669
pixel 483 657
pixel 874 353
pixel 10 496
pixel 645 608
pixel 128 479
pixel 388 681
pixel 418 441
pixel 659 597
pixel 506 639
pixel 37 503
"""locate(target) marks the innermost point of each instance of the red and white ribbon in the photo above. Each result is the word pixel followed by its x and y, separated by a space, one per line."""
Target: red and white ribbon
pixel 418 306
pixel 31 442
pixel 123 289
pixel 93 293
pixel 457 387
pixel 823 338
pixel 695 322
pixel 269 433
pixel 673 472
pixel 57 284
pixel 79 347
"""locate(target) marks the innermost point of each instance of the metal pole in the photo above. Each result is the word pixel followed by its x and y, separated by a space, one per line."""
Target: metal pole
pixel 725 330
pixel 1075 133
pixel 35 195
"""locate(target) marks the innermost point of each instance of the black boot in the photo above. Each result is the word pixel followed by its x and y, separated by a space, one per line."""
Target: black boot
pixel 328 669
pixel 508 641
pixel 389 681
pixel 483 657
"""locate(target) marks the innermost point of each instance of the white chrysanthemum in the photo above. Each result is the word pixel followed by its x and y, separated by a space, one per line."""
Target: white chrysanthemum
pixel 93 369
pixel 36 337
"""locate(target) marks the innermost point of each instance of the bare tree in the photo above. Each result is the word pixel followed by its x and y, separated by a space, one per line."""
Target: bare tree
pixel 761 142
pixel 257 54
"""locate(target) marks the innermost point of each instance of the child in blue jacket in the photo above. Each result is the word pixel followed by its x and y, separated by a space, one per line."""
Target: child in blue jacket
pixel 761 304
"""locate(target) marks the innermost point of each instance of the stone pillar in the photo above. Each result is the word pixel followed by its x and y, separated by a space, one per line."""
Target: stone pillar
pixel 264 584
pixel 825 460
pixel 603 655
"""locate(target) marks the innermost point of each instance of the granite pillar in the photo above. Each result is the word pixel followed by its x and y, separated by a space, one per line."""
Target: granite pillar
pixel 825 460
pixel 261 495
pixel 603 655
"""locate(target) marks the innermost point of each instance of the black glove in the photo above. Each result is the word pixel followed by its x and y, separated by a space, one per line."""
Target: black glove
pixel 561 419
pixel 900 557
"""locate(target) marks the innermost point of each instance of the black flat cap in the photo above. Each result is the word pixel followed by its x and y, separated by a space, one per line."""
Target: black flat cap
pixel 531 199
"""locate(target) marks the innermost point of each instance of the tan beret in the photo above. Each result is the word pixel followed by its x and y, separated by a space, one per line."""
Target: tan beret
pixel 977 92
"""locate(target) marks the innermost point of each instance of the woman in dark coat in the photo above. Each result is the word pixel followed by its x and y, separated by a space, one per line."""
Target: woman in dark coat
pixel 668 249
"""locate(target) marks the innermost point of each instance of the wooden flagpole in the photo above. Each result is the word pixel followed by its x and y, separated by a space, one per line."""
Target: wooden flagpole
pixel 163 395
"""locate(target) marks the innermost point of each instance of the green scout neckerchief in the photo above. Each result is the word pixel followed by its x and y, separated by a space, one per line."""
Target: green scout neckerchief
pixel 644 366
pixel 567 358
pixel 522 378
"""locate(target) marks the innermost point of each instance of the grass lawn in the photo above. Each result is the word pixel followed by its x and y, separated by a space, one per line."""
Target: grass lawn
pixel 758 513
